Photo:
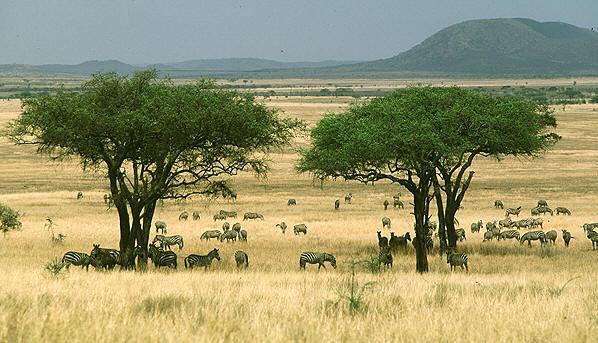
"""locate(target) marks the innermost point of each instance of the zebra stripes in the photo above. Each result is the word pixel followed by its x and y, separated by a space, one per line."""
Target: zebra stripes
pixel 562 210
pixel 241 259
pixel 77 258
pixel 566 237
pixel 509 234
pixel 513 211
pixel 316 258
pixel 551 236
pixel 252 215
pixel 533 236
pixel 498 204
pixel 162 258
pixel 205 261
pixel 385 257
pixel 104 258
pixel 184 216
pixel 456 260
pixel 167 241
pixel 207 235
pixel 385 222
pixel 300 228
pixel 160 225
pixel 460 234
pixel 230 235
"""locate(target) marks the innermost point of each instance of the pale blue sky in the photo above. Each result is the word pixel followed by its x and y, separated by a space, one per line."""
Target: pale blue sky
pixel 72 31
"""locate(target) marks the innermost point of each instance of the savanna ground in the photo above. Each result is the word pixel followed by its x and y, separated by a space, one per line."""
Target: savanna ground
pixel 512 293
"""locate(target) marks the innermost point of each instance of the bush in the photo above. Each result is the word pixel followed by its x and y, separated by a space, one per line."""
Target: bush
pixel 56 267
pixel 9 219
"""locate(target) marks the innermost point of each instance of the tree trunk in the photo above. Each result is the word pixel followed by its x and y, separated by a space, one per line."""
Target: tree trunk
pixel 419 211
pixel 146 229
pixel 441 218
pixel 449 216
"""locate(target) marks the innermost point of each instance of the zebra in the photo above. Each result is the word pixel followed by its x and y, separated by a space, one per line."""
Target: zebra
pixel 162 258
pixel 196 215
pixel 237 226
pixel 167 241
pixel 460 234
pixel 337 204
pixel 382 241
pixel 228 214
pixel 566 237
pixel 385 222
pixel 348 198
pixel 508 234
pixel 225 226
pixel 513 211
pixel 77 258
pixel 316 258
pixel 252 215
pixel 242 259
pixel 505 222
pixel 108 200
pixel 291 202
pixel 541 210
pixel 233 195
pixel 160 225
pixel 551 236
pixel 282 226
pixel 562 210
pixel 104 258
pixel 397 203
pixel 219 216
pixel 455 259
pixel 230 235
pixel 488 236
pixel 498 204
pixel 207 235
pixel 542 203
pixel 79 195
pixel 535 211
pixel 184 216
pixel 589 226
pixel 397 242
pixel 385 257
pixel 475 227
pixel 593 237
pixel 533 236
pixel 205 261
pixel 537 222
pixel 490 226
pixel 429 242
pixel 243 235
pixel 300 228
pixel 432 225
pixel 386 203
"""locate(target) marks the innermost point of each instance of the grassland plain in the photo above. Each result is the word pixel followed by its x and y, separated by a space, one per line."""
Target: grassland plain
pixel 511 294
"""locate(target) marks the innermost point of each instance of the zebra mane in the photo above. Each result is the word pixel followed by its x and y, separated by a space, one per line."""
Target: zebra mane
pixel 329 257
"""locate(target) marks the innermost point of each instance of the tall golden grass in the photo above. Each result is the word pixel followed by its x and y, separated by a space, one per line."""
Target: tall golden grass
pixel 511 294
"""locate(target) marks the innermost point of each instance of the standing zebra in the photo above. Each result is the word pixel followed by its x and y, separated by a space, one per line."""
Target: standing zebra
pixel 562 210
pixel 242 259
pixel 513 211
pixel 386 203
pixel 210 234
pixel 337 204
pixel 79 195
pixel 533 236
pixel 551 236
pixel 225 227
pixel 566 237
pixel 508 234
pixel 229 235
pixel 488 236
pixel 316 258
pixel 162 258
pixel 385 222
pixel 167 241
pixel 382 241
pixel 475 227
pixel 205 261
pixel 291 202
pixel 542 203
pixel 104 258
pixel 498 204
pixel 184 215
pixel 243 236
pixel 397 203
pixel 460 234
pixel 237 227
pixel 219 216
pixel 77 259
pixel 300 228
pixel 282 226
pixel 385 257
pixel 348 198
pixel 160 225
pixel 455 259
pixel 196 215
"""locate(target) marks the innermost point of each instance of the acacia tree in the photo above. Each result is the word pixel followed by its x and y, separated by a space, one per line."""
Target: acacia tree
pixel 154 140
pixel 424 136
pixel 9 220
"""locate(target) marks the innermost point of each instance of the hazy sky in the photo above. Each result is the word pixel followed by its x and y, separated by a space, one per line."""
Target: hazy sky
pixel 52 31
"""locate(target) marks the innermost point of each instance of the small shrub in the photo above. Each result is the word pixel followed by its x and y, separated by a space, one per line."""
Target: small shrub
pixel 9 220
pixel 56 267
pixel 353 294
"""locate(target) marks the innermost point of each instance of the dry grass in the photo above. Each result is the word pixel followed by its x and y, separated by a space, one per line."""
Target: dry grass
pixel 511 294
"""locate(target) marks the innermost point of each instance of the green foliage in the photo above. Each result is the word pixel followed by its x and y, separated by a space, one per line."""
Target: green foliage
pixel 9 219
pixel 56 268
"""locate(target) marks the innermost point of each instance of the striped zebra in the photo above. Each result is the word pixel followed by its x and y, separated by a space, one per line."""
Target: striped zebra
pixel 104 258
pixel 541 210
pixel 196 215
pixel 542 203
pixel 562 210
pixel 385 222
pixel 300 228
pixel 551 236
pixel 476 227
pixel 184 216
pixel 513 211
pixel 237 227
pixel 167 241
pixel 505 222
pixel 205 261
pixel 243 236
pixel 337 204
pixel 291 202
pixel 207 235
pixel 252 215
pixel 77 258
pixel 382 241
pixel 397 203
pixel 593 237
pixel 348 198
pixel 537 222
pixel 242 259
pixel 386 203
pixel 488 236
pixel 385 257
pixel 429 242
pixel 498 204
pixel 219 216
pixel 589 226
pixel 225 226
pixel 162 258
pixel 282 226
pixel 508 234
pixel 160 225
pixel 456 260
pixel 398 242
pixel 230 235
pixel 316 258
pixel 460 234
pixel 228 214
pixel 533 236
pixel 566 237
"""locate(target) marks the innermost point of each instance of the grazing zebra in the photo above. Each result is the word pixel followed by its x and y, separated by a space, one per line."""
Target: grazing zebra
pixel 160 225
pixel 167 241
pixel 237 226
pixel 490 226
pixel 535 211
pixel 566 237
pixel 455 259
pixel 225 226
pixel 196 215
pixel 397 203
pixel 252 215
pixel 525 223
pixel 542 203
pixel 541 210
pixel 475 227
pixel 386 203
pixel 505 222
pixel 230 235
pixel 348 198
pixel 385 257
pixel 205 261
pixel 300 228
pixel 533 236
pixel 316 258
pixel 79 195
pixel 219 216
pixel 228 214
pixel 291 202
pixel 77 258
pixel 243 235
pixel 551 236
pixel 282 226
pixel 508 234
pixel 562 210
pixel 513 211
pixel 242 259
pixel 207 235
pixel 337 204
pixel 162 258
pixel 382 241
pixel 385 222
pixel 498 204
pixel 184 216
pixel 537 222
pixel 104 258
pixel 460 234
pixel 488 236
